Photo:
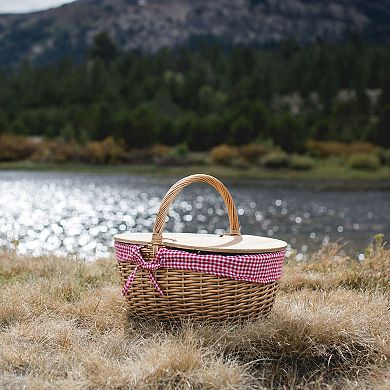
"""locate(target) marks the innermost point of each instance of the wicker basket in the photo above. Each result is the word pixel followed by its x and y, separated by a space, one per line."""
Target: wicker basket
pixel 195 294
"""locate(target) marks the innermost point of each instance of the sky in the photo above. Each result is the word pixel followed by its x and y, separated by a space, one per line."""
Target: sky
pixel 19 6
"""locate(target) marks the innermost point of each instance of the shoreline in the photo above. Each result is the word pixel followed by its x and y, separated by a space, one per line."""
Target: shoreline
pixel 319 178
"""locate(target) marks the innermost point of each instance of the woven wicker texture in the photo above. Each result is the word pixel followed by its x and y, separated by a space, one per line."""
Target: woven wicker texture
pixel 191 294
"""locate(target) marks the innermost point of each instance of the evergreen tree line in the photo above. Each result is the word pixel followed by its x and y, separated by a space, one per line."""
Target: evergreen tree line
pixel 205 96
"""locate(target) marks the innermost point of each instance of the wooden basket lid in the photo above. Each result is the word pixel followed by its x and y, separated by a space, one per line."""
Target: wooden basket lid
pixel 208 242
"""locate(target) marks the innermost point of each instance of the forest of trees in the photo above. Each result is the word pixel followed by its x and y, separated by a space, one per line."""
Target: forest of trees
pixel 205 96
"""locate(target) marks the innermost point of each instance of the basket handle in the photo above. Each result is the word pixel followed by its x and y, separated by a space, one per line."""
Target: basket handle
pixel 177 188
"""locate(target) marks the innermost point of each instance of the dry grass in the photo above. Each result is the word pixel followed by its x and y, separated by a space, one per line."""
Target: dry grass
pixel 64 325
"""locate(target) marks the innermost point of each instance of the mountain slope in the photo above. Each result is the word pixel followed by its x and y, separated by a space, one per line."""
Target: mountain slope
pixel 149 25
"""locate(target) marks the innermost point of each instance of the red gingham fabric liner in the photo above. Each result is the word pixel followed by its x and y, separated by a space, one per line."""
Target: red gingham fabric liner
pixel 256 268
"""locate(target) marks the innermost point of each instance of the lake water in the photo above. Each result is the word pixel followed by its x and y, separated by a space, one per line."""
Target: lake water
pixel 66 213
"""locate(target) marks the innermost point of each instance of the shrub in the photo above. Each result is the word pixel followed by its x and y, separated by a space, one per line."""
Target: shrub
pixel 276 160
pixel 198 158
pixel 369 162
pixel 13 147
pixel 333 148
pixel 53 151
pixel 102 152
pixel 181 150
pixel 252 152
pixel 159 150
pixel 302 163
pixel 178 155
pixel 240 162
pixel 138 156
pixel 224 154
pixel 385 156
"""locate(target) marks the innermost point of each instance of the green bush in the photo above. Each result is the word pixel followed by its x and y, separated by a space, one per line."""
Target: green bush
pixel 179 155
pixel 181 150
pixel 224 154
pixel 276 160
pixel 369 162
pixel 301 163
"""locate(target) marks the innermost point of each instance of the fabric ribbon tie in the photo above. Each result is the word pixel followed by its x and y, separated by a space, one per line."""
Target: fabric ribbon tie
pixel 146 265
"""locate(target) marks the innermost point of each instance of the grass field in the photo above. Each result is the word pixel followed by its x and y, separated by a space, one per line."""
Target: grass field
pixel 64 325
pixel 323 175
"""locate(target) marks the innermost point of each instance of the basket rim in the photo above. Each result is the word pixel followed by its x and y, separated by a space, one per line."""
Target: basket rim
pixel 211 243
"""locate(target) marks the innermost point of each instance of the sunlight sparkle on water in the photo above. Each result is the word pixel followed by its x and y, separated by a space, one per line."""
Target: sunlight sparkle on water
pixel 79 213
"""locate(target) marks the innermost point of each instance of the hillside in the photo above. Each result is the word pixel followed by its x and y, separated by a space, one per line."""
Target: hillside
pixel 149 25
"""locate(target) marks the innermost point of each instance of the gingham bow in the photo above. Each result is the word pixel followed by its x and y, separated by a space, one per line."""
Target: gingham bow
pixel 251 267
pixel 147 265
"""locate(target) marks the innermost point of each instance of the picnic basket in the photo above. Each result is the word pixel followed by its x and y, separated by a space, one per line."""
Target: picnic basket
pixel 203 276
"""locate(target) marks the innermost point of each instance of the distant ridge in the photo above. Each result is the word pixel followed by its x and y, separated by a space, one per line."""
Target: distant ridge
pixel 149 25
